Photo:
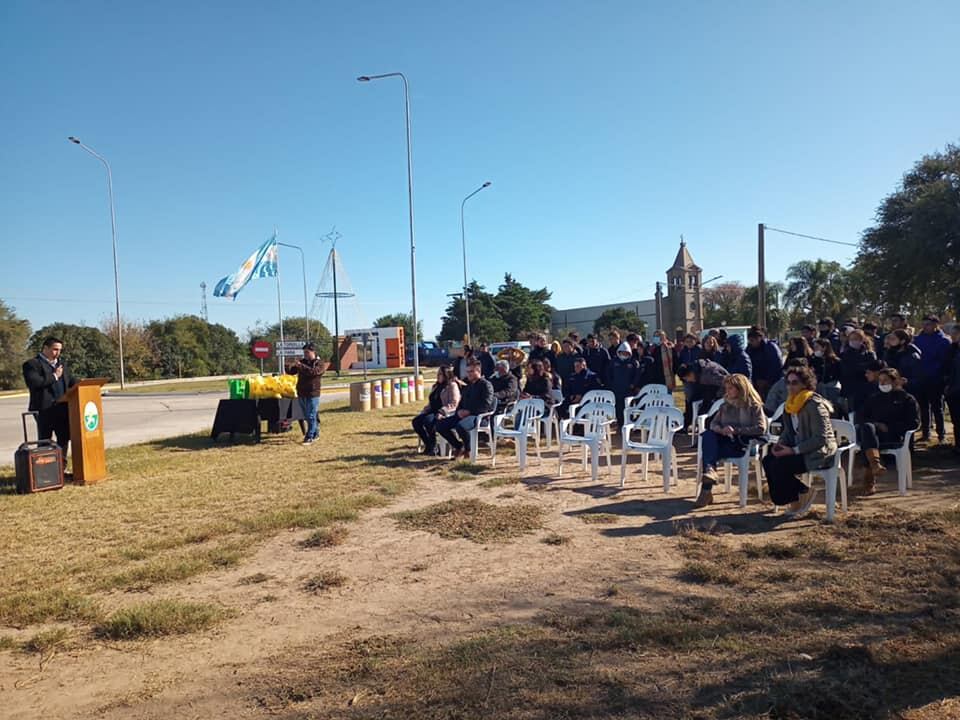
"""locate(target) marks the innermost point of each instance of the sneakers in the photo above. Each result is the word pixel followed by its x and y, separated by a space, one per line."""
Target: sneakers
pixel 308 440
pixel 802 505
pixel 704 498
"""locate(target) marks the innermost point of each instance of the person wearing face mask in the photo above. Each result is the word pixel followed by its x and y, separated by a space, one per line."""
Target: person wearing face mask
pixel 622 376
pixel 854 361
pixel 887 415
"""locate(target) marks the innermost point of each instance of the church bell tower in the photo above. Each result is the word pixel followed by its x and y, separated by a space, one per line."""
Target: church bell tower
pixel 684 302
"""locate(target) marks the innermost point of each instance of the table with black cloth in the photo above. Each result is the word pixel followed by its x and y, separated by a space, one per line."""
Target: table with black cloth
pixel 245 416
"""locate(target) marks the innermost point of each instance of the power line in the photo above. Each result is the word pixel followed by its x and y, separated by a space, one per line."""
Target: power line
pixel 812 237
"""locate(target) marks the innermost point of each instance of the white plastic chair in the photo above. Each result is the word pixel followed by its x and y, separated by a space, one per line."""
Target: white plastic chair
pixel 660 423
pixel 694 426
pixel 701 424
pixel 550 419
pixel 633 413
pixel 596 419
pixel 525 421
pixel 833 474
pixel 644 391
pixel 484 425
pixel 600 396
pixel 904 461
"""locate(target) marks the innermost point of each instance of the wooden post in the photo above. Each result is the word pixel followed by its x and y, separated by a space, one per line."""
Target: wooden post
pixel 85 411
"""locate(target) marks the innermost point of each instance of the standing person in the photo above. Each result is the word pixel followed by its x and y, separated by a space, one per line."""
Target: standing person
pixel 48 378
pixel 765 359
pixel 808 333
pixel 622 377
pixel 953 385
pixel 934 349
pixel 897 322
pixel 577 385
pixel 486 359
pixel 704 378
pixel 570 351
pixel 870 329
pixel 826 366
pixel 442 402
pixel 463 363
pixel 613 337
pixel 476 399
pixel 661 351
pixel 685 354
pixel 828 331
pixel 807 442
pixel 539 384
pixel 636 345
pixel 738 421
pixel 646 373
pixel 309 371
pixel 854 361
pixel 710 349
pixel 506 387
pixel 540 350
pixel 735 360
pixel 597 357
pixel 887 416
pixel 798 347
pixel 903 356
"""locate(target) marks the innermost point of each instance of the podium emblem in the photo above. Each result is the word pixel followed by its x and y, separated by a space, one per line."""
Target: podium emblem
pixel 91 416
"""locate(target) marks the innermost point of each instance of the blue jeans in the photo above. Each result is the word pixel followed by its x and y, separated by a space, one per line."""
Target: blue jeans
pixel 716 447
pixel 462 426
pixel 309 406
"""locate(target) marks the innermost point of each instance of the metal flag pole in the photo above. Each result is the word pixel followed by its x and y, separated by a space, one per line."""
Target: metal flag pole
pixel 279 307
pixel 303 263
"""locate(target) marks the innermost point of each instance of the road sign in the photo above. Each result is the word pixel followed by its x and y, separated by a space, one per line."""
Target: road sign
pixel 289 348
pixel 260 349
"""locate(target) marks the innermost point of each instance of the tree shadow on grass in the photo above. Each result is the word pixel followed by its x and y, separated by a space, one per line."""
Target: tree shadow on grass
pixel 201 442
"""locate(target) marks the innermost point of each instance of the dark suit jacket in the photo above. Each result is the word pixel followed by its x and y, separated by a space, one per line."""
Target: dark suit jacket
pixel 38 375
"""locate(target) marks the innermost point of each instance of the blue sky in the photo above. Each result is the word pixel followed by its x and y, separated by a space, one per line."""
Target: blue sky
pixel 606 128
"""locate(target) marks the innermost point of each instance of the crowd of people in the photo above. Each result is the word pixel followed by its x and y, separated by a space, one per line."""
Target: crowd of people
pixel 886 383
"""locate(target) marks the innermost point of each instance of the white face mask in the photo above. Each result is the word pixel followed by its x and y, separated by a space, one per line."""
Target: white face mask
pixel 885 388
pixel 855 344
pixel 818 353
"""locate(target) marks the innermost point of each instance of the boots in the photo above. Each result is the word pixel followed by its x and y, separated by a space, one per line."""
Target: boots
pixel 874 470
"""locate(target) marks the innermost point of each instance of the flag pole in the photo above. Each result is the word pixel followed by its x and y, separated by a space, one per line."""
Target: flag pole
pixel 279 306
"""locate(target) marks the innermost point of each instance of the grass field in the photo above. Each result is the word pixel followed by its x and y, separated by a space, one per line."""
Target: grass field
pixel 176 508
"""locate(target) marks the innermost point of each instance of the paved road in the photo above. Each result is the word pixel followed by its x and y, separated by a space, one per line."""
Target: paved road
pixel 128 419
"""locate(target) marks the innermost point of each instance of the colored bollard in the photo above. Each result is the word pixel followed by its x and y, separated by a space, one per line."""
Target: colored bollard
pixel 376 395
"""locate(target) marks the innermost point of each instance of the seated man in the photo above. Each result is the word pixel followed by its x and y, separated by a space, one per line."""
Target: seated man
pixel 476 398
pixel 505 386
pixel 887 415
pixel 705 378
pixel 577 385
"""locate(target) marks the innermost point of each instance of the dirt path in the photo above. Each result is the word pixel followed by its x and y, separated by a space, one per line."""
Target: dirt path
pixel 403 583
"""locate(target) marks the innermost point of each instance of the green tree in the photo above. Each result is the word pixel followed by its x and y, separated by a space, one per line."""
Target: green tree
pixel 88 352
pixel 14 335
pixel 404 320
pixel 723 304
pixel 486 322
pixel 912 253
pixel 138 358
pixel 778 319
pixel 188 346
pixel 523 310
pixel 626 321
pixel 295 328
pixel 816 289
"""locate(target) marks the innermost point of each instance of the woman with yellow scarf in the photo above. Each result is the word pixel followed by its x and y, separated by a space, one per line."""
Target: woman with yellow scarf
pixel 806 443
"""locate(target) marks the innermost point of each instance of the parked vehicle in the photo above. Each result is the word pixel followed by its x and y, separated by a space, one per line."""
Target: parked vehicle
pixel 431 354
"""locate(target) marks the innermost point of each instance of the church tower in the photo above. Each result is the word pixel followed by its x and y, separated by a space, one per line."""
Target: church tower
pixel 683 309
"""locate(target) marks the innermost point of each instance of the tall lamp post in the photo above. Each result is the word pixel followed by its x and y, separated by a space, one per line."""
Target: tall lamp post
pixel 413 244
pixel 113 231
pixel 303 264
pixel 463 240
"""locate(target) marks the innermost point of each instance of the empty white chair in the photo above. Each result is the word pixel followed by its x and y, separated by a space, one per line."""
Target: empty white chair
pixel 904 461
pixel 601 396
pixel 520 424
pixel 484 425
pixel 595 418
pixel 550 419
pixel 660 424
pixel 644 391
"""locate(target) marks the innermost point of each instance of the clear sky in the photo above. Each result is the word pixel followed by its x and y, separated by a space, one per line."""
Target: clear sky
pixel 606 128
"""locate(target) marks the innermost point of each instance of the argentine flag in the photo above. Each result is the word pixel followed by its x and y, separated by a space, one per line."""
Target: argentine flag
pixel 263 263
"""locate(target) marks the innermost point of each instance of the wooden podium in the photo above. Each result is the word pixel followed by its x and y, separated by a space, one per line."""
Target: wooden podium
pixel 85 410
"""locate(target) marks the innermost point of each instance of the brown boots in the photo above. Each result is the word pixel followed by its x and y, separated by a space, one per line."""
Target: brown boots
pixel 874 470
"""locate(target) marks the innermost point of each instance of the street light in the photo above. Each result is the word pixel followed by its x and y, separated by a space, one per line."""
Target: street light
pixel 303 264
pixel 463 240
pixel 413 244
pixel 113 231
pixel 717 277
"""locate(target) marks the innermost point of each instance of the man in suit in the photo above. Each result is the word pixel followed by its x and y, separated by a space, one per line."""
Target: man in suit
pixel 48 378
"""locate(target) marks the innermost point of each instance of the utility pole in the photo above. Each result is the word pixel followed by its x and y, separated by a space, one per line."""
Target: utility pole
pixel 761 281
pixel 203 302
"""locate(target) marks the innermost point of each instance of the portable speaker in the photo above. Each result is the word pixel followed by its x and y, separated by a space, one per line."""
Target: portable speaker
pixel 38 464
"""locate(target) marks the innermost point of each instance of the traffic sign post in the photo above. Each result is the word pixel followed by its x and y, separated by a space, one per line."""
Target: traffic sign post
pixel 289 348
pixel 260 349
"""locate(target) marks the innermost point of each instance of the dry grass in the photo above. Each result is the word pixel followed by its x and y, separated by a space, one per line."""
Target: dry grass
pixel 157 618
pixel 255 579
pixel 46 640
pixel 474 520
pixel 324 581
pixel 326 537
pixel 501 481
pixel 555 539
pixel 152 521
pixel 599 518
pixel 873 636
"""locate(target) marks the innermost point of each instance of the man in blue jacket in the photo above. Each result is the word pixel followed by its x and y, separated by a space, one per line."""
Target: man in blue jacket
pixel 766 360
pixel 934 349
pixel 476 399
pixel 577 385
pixel 734 359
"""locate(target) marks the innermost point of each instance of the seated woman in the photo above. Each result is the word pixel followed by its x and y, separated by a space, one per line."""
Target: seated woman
pixel 548 370
pixel 442 401
pixel 739 420
pixel 807 442
pixel 539 384
pixel 886 416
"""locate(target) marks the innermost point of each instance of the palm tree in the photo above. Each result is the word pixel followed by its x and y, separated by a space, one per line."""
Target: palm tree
pixel 816 288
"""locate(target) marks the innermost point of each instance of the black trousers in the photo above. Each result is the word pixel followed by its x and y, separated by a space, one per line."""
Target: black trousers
pixel 783 479
pixel 929 395
pixel 870 438
pixel 706 394
pixel 953 402
pixel 54 421
pixel 424 425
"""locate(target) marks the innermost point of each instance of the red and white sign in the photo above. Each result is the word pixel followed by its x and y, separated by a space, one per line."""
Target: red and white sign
pixel 261 349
